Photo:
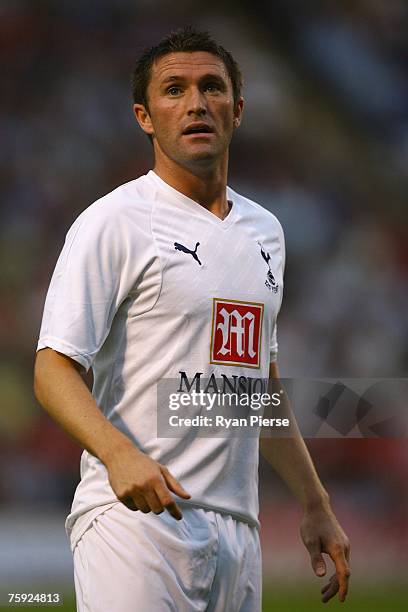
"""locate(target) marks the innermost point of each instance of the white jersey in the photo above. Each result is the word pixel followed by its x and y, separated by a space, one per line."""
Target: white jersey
pixel 151 285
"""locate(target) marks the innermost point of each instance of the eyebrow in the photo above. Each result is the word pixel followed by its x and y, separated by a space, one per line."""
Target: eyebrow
pixel 208 75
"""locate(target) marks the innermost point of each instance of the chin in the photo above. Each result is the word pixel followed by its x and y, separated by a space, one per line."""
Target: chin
pixel 205 154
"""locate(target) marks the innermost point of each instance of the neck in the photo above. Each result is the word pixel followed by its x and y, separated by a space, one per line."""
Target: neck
pixel 204 185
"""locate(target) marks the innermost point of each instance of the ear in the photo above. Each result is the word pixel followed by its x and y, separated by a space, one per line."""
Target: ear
pixel 143 118
pixel 238 112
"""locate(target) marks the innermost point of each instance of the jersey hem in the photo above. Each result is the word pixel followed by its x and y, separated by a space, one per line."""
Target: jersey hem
pixel 75 532
pixel 236 515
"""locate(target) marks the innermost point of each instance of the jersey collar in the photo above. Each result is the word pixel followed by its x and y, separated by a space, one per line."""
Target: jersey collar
pixel 197 209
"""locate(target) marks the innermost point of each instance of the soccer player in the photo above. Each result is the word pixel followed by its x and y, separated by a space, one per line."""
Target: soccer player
pixel 173 275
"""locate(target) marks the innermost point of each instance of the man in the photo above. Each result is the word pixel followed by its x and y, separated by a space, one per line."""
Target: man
pixel 176 276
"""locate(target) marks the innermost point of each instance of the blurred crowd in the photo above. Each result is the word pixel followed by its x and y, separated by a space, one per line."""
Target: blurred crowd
pixel 324 145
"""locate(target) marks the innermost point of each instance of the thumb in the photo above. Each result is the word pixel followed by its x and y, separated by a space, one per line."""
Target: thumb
pixel 174 484
pixel 318 564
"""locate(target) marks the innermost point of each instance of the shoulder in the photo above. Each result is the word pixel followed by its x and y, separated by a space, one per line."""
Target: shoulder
pixel 257 213
pixel 130 201
pixel 122 216
pixel 117 224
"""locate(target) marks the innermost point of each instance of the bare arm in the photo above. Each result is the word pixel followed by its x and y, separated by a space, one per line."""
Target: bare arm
pixel 320 530
pixel 137 480
pixel 291 460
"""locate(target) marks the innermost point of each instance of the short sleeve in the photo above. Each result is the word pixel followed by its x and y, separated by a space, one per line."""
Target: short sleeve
pixel 273 349
pixel 273 345
pixel 91 279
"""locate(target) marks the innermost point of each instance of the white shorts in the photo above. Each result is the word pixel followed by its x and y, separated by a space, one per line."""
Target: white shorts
pixel 133 562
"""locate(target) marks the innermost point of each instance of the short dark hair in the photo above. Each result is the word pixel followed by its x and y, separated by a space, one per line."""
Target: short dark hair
pixel 186 39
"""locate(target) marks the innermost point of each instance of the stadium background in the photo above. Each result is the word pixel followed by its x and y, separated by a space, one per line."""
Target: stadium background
pixel 324 145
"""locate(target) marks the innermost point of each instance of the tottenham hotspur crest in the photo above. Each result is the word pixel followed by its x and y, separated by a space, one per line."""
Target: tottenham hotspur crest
pixel 270 282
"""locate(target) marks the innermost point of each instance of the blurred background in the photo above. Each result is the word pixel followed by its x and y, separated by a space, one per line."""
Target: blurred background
pixel 324 145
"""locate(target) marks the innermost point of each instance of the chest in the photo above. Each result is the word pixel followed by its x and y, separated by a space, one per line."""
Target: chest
pixel 201 262
pixel 222 284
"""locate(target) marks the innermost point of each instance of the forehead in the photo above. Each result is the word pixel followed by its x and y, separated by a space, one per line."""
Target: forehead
pixel 187 65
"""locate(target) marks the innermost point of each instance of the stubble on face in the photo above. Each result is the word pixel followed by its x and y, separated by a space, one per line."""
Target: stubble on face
pixel 188 89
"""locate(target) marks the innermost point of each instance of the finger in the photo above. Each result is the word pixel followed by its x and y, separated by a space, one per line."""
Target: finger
pixel 154 503
pixel 331 591
pixel 174 484
pixel 167 501
pixel 140 503
pixel 136 502
pixel 129 503
pixel 316 558
pixel 326 586
pixel 318 564
pixel 342 572
pixel 174 510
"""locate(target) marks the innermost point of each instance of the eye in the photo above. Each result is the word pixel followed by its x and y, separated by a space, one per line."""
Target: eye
pixel 212 87
pixel 173 90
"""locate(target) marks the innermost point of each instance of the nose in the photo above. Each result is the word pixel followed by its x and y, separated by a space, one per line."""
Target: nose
pixel 197 104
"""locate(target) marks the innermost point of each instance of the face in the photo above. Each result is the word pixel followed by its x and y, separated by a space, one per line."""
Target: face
pixel 191 114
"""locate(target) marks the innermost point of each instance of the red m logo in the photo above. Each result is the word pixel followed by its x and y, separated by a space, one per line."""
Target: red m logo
pixel 236 333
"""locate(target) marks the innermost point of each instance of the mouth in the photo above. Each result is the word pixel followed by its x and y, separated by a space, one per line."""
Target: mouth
pixel 200 129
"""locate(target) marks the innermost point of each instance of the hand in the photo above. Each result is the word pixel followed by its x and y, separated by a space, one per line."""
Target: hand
pixel 143 484
pixel 321 533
